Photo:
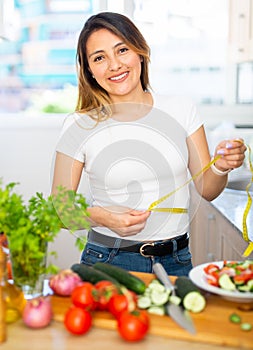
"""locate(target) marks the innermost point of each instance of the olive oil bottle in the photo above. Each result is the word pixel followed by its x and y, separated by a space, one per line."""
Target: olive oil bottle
pixel 3 333
pixel 13 295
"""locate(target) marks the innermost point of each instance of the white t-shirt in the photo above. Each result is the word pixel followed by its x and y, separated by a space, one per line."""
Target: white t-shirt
pixel 133 164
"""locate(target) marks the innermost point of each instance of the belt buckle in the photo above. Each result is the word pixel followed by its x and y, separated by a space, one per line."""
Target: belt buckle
pixel 143 246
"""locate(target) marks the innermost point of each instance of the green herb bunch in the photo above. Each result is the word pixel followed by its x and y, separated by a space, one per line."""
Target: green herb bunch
pixel 30 227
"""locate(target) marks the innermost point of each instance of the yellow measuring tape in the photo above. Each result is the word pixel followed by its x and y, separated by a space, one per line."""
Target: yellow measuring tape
pixel 153 206
pixel 245 234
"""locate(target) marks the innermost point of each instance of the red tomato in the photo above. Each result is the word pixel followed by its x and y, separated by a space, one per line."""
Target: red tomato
pixel 77 320
pixel 105 290
pixel 244 277
pixel 117 304
pixel 84 296
pixel 133 326
pixel 211 268
pixel 212 280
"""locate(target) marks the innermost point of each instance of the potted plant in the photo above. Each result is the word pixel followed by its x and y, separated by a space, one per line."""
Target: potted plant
pixel 30 226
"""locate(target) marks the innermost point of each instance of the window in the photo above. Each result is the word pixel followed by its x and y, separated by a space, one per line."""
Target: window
pixel 188 40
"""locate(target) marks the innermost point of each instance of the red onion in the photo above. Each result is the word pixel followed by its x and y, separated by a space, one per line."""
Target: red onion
pixel 37 312
pixel 64 282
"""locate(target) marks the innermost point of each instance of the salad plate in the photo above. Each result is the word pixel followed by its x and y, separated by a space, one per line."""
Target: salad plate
pixel 199 277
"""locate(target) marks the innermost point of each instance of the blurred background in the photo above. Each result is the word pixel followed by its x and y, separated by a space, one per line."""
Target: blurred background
pixel 199 48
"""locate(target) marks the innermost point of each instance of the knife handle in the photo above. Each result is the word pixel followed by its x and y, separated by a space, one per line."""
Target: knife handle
pixel 163 277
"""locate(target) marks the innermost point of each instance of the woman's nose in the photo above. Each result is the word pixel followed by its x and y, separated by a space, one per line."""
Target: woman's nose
pixel 114 64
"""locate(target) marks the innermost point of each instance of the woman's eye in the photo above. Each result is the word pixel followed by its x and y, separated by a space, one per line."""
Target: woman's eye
pixel 98 58
pixel 123 49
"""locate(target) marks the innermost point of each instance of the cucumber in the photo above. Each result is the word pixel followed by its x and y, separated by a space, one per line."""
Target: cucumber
pixel 184 285
pixel 124 277
pixel 159 298
pixel 246 326
pixel 174 299
pixel 190 294
pixel 89 274
pixel 226 283
pixel 243 288
pixel 235 318
pixel 194 302
pixel 143 302
pixel 157 310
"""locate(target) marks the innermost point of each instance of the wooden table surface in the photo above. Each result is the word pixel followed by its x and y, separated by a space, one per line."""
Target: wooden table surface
pixel 55 337
pixel 214 331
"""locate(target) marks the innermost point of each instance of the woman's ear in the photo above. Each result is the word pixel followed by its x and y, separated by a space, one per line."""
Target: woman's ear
pixel 141 58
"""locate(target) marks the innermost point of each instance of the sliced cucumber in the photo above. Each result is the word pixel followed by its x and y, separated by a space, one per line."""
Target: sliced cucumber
pixel 159 297
pixel 250 285
pixel 157 310
pixel 226 283
pixel 194 302
pixel 156 285
pixel 244 288
pixel 144 302
pixel 235 318
pixel 246 326
pixel 175 299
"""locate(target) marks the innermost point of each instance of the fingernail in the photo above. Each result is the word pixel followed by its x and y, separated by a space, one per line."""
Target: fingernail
pixel 229 145
pixel 221 151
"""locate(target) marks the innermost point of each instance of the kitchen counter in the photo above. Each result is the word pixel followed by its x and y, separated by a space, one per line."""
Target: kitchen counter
pixel 214 331
pixel 55 337
pixel 231 204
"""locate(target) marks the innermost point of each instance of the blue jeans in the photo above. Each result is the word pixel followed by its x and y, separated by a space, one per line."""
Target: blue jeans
pixel 178 263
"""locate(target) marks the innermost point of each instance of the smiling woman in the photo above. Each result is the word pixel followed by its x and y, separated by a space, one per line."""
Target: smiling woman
pixel 135 147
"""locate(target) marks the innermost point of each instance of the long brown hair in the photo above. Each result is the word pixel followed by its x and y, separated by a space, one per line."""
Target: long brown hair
pixel 91 96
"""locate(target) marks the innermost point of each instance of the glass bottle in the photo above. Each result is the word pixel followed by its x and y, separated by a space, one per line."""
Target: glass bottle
pixel 3 335
pixel 13 296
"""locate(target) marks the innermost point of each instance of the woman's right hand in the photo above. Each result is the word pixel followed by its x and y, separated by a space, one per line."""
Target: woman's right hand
pixel 121 220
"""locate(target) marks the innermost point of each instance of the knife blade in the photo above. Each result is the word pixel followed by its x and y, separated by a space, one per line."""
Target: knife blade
pixel 176 312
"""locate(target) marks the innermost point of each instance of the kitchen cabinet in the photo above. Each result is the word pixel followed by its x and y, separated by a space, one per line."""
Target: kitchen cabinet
pixel 212 236
pixel 240 45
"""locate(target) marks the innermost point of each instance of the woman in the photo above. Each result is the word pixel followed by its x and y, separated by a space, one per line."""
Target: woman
pixel 134 147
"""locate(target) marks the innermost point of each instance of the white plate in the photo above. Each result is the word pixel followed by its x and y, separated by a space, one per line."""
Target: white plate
pixel 197 276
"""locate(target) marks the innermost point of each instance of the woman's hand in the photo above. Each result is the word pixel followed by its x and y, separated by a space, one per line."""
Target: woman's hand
pixel 232 154
pixel 123 221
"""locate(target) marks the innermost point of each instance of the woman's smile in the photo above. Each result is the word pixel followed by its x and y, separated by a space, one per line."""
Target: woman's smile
pixel 119 77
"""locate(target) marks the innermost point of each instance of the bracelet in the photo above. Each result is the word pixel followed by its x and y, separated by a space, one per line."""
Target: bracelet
pixel 219 172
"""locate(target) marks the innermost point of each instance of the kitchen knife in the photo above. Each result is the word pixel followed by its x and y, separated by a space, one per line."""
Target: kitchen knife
pixel 176 312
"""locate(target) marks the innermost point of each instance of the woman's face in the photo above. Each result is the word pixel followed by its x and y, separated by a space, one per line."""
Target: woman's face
pixel 115 66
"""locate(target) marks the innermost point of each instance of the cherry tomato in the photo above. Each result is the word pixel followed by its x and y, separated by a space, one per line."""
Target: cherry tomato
pixel 117 304
pixel 211 268
pixel 77 320
pixel 133 326
pixel 84 296
pixel 244 277
pixel 212 280
pixel 105 290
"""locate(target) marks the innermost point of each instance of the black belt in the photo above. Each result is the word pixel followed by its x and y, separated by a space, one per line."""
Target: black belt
pixel 147 249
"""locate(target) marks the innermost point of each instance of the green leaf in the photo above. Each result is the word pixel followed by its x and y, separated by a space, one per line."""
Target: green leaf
pixel 30 226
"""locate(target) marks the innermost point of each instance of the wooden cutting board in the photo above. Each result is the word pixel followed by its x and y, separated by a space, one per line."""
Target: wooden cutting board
pixel 212 325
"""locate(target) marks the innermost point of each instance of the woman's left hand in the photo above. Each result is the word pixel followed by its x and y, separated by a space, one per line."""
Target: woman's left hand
pixel 232 154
